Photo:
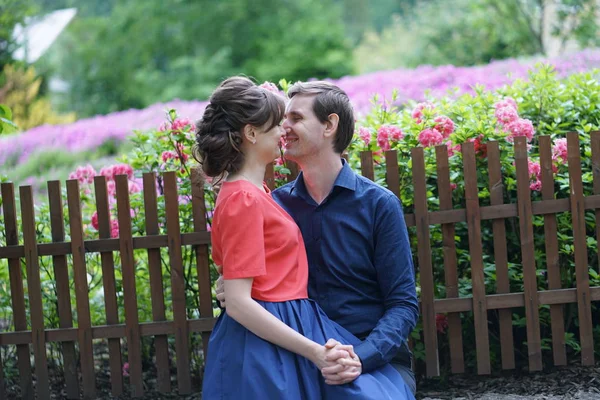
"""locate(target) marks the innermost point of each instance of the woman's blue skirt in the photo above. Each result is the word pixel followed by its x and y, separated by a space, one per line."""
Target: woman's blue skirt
pixel 240 365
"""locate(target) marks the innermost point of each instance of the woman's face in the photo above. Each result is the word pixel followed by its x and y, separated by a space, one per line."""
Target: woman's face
pixel 268 141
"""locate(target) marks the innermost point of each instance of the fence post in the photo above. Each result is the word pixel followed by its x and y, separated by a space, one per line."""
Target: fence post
pixel 177 284
pixel 557 319
pixel 16 288
pixel 109 285
pixel 156 283
pixel 455 340
pixel 132 324
pixel 482 340
pixel 532 312
pixel 63 292
pixel 500 255
pixel 202 257
pixel 84 322
pixel 34 288
pixel 425 267
pixel 580 242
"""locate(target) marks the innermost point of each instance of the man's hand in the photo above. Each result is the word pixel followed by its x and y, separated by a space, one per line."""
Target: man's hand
pixel 347 365
pixel 221 291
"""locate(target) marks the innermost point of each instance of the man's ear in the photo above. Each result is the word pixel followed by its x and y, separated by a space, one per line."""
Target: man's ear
pixel 331 125
pixel 250 133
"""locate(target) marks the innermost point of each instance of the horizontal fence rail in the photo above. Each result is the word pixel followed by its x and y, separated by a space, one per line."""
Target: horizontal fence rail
pixel 76 332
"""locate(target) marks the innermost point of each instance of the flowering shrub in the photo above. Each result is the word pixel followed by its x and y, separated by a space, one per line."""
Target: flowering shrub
pixel 411 84
pixel 541 105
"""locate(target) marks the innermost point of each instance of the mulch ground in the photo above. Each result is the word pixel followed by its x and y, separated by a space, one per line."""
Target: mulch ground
pixel 559 381
pixel 562 381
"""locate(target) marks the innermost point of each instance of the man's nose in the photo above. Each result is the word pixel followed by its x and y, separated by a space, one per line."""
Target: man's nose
pixel 285 125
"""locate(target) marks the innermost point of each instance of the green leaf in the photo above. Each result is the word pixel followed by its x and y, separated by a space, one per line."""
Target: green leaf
pixel 5 113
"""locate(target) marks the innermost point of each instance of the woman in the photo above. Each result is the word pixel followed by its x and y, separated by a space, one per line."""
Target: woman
pixel 269 344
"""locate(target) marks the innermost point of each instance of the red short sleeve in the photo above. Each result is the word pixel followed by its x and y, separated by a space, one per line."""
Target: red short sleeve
pixel 241 235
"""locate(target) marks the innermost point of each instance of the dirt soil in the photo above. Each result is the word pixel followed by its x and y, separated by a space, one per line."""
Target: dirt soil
pixel 572 382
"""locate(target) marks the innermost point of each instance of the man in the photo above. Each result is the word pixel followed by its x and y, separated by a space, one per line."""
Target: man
pixel 360 262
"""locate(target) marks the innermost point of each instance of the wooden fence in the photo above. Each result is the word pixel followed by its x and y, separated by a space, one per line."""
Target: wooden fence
pixel 79 366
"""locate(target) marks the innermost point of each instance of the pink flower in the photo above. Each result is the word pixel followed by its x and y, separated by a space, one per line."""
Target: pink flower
pixel 180 123
pixel 453 186
pixel 383 139
pixel 117 169
pixel 559 150
pixel 441 322
pixel 95 220
pixel 506 102
pixel 134 187
pixel 537 186
pixel 111 188
pixel 168 155
pixel 520 127
pixel 126 369
pixel 270 86
pixel 506 115
pixel 430 137
pixel 480 147
pixel 85 175
pixel 390 132
pixel 365 135
pixel 417 112
pixel 452 149
pixel 444 125
pixel 165 126
pixel 534 168
pixel 114 231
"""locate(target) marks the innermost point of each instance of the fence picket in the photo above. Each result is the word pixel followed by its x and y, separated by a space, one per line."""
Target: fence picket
pixel 84 321
pixel 501 255
pixel 177 284
pixel 425 267
pixel 455 339
pixel 580 242
pixel 202 257
pixel 34 289
pixel 482 340
pixel 63 292
pixel 532 313
pixel 557 319
pixel 157 293
pixel 16 288
pixel 132 324
pixel 366 165
pixel 109 286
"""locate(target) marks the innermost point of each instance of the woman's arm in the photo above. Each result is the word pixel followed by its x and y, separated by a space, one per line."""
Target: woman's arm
pixel 242 308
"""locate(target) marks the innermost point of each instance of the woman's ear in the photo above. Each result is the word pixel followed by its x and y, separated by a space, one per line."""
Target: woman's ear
pixel 331 124
pixel 250 133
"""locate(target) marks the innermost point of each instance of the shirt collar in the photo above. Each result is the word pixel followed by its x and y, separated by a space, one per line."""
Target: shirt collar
pixel 345 179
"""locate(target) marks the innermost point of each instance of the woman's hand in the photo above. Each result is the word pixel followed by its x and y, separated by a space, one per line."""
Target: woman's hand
pixel 325 357
pixel 346 368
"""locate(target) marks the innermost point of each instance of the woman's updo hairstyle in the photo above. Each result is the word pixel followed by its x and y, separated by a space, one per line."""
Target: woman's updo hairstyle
pixel 235 103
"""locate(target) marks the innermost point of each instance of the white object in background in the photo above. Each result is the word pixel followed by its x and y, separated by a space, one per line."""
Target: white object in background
pixel 38 34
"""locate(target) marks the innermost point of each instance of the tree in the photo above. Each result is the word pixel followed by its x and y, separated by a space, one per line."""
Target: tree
pixel 12 13
pixel 150 50
pixel 478 31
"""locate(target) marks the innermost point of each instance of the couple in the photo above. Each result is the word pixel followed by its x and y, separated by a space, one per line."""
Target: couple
pixel 317 275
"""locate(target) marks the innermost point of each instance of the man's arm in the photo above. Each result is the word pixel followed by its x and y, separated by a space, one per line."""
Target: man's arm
pixel 394 264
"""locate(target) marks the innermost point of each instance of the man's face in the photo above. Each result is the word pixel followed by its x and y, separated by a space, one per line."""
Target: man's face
pixel 303 130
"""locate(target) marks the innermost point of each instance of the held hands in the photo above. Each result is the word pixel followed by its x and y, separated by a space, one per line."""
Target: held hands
pixel 337 362
pixel 342 365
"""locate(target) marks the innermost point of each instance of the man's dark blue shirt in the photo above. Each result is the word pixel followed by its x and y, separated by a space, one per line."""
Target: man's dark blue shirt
pixel 360 262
